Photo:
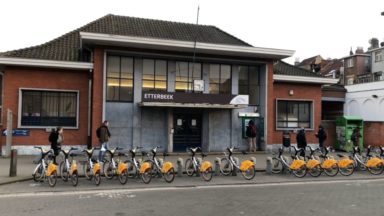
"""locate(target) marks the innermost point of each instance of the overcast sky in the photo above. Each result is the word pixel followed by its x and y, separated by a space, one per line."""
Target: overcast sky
pixel 328 27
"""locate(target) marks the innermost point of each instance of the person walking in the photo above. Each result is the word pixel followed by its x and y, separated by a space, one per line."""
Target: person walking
pixel 251 133
pixel 104 135
pixel 355 137
pixel 322 136
pixel 301 141
pixel 56 138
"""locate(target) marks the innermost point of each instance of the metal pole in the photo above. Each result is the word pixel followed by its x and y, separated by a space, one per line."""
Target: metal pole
pixel 13 165
pixel 8 139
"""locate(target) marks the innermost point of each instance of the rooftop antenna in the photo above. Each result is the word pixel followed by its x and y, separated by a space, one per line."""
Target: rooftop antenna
pixel 195 42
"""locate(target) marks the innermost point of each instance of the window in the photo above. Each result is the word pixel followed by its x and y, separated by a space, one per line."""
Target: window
pixel 154 75
pixel 119 78
pixel 294 114
pixel 1 98
pixel 219 79
pixel 249 84
pixel 49 108
pixel 378 76
pixel 378 56
pixel 349 63
pixel 186 72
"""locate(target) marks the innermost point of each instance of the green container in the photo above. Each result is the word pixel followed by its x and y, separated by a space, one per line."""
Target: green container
pixel 344 129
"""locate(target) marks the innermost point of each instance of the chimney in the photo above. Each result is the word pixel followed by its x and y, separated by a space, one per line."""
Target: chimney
pixel 359 50
pixel 297 61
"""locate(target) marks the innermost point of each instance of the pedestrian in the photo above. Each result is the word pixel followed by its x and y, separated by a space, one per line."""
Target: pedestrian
pixel 355 137
pixel 251 133
pixel 104 135
pixel 301 141
pixel 56 137
pixel 322 136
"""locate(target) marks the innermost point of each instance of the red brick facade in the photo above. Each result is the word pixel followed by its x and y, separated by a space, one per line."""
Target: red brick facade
pixel 301 91
pixel 55 79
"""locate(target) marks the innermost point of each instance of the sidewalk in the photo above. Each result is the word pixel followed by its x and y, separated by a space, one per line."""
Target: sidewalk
pixel 25 164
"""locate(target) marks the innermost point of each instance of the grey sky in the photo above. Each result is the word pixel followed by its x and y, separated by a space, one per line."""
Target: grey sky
pixel 328 27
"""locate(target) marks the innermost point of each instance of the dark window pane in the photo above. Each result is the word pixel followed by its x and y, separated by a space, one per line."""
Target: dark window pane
pixel 243 89
pixel 181 71
pixel 225 88
pixel 196 73
pixel 214 73
pixel 113 66
pixel 161 70
pixel 148 69
pixel 126 68
pixel 148 85
pixel 126 93
pixel 113 89
pixel 213 88
pixel 294 114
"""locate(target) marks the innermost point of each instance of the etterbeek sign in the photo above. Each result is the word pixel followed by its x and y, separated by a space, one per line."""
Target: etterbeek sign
pixel 182 97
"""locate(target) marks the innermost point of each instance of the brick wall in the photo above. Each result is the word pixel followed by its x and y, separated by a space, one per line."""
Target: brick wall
pixel 19 77
pixel 374 133
pixel 310 92
pixel 97 94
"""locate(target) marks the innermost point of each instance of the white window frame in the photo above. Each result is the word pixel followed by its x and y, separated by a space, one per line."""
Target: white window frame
pixel 349 63
pixel 47 90
pixel 297 100
pixel 379 56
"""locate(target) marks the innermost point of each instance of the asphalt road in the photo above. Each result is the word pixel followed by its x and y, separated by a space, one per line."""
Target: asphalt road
pixel 321 197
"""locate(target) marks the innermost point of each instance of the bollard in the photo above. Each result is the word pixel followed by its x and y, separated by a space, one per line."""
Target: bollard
pixel 199 161
pixel 13 165
pixel 268 169
pixel 179 167
pixel 235 170
pixel 217 166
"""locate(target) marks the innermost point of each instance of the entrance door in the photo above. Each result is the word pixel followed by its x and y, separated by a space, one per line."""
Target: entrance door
pixel 187 131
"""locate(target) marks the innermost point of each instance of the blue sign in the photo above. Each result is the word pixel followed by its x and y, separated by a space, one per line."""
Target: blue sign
pixel 17 132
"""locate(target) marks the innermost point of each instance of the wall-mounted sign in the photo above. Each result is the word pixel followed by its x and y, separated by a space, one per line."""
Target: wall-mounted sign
pixel 198 85
pixel 245 114
pixel 17 132
pixel 182 97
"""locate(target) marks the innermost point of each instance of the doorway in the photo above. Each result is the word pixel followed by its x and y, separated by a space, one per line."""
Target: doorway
pixel 187 131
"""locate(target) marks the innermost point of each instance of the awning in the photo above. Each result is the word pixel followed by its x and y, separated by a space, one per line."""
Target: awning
pixel 193 105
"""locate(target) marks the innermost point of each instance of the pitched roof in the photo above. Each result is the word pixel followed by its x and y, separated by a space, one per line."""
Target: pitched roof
pixel 309 61
pixel 66 47
pixel 282 68
pixel 332 65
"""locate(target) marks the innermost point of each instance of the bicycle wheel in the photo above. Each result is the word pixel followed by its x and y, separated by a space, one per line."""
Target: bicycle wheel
pixel 207 174
pixel 132 170
pixel 225 166
pixel 52 179
pixel 376 170
pixel 332 171
pixel 301 172
pixel 87 170
pixel 315 171
pixel 38 173
pixel 64 171
pixel 277 166
pixel 170 175
pixel 359 165
pixel 147 176
pixel 97 178
pixel 123 177
pixel 108 169
pixel 74 179
pixel 249 173
pixel 189 168
pixel 347 171
pixel 154 171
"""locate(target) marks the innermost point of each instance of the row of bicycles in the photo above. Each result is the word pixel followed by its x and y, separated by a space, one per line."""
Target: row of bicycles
pixel 123 164
pixel 319 161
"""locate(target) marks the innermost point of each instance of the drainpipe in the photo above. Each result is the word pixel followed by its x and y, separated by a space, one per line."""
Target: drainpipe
pixel 90 108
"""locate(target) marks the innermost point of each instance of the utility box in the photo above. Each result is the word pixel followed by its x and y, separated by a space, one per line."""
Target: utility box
pixel 344 129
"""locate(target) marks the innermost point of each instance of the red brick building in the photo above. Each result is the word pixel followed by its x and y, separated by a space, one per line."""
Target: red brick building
pixel 158 83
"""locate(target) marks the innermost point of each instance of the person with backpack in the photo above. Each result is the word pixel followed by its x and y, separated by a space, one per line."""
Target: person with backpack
pixel 301 141
pixel 104 135
pixel 322 136
pixel 56 138
pixel 251 133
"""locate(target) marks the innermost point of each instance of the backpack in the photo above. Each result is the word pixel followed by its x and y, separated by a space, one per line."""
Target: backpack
pixel 98 132
pixel 52 136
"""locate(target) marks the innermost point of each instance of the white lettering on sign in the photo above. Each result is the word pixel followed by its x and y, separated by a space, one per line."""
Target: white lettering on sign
pixel 158 96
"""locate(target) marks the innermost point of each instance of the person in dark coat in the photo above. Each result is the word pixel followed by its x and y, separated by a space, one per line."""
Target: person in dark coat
pixel 355 137
pixel 322 136
pixel 56 138
pixel 104 135
pixel 251 133
pixel 301 141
